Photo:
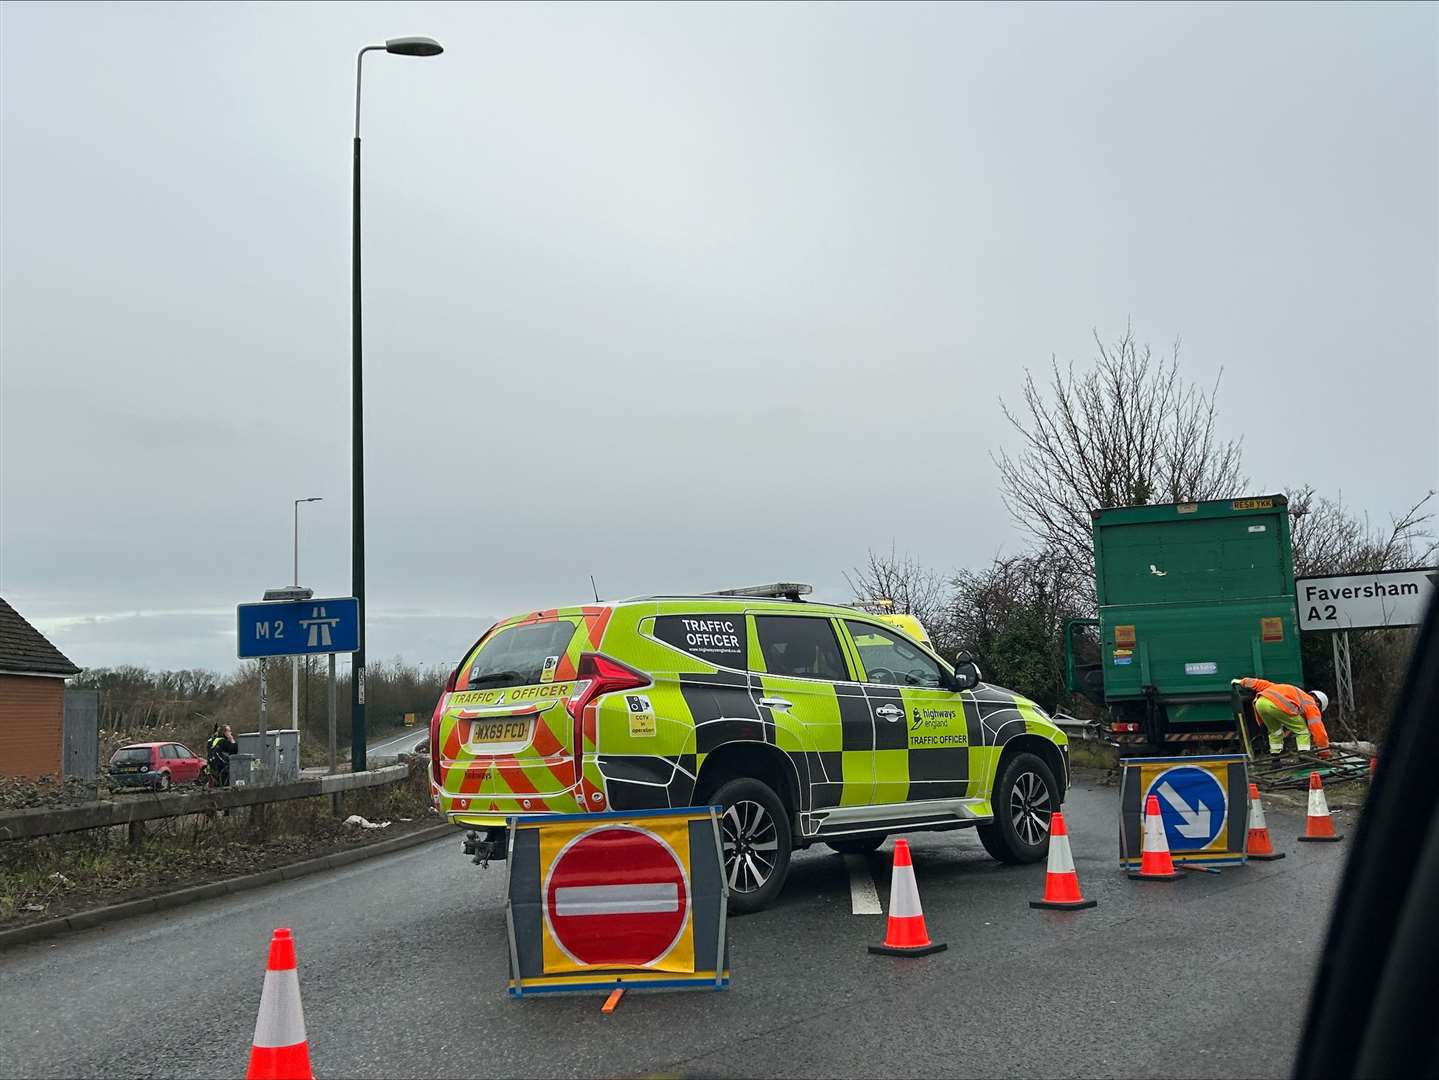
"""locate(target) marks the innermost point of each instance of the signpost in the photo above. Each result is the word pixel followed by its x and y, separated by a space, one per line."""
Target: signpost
pixel 1382 600
pixel 297 627
pixel 334 755
pixel 1203 800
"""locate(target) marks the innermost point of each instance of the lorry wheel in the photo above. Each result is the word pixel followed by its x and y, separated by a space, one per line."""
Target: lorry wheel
pixel 1025 794
pixel 756 840
pixel 856 845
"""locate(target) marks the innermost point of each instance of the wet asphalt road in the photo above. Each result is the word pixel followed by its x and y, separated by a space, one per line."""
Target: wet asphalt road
pixel 402 967
pixel 403 743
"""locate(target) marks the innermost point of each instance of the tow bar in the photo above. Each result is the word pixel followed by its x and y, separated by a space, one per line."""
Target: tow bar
pixel 483 849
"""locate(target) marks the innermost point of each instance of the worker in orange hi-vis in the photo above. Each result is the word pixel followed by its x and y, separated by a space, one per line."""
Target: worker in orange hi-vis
pixel 1281 707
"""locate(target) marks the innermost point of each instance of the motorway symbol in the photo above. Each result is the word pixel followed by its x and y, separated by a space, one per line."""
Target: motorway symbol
pixel 297 627
pixel 617 896
pixel 319 627
pixel 1193 805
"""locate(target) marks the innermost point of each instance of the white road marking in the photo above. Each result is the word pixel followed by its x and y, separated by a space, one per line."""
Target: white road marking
pixel 863 898
pixel 617 899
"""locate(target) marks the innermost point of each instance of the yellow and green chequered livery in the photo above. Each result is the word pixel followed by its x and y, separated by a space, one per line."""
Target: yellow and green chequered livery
pixel 806 722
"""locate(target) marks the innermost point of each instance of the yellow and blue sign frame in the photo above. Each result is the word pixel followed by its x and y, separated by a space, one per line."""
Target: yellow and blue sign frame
pixel 531 948
pixel 1204 801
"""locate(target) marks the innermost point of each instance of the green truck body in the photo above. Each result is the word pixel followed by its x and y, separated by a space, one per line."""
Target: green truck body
pixel 1190 595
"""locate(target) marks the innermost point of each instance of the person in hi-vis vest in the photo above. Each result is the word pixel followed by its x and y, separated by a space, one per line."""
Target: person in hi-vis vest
pixel 1281 707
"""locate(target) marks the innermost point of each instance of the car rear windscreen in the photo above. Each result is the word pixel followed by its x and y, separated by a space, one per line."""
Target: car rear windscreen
pixel 131 755
pixel 519 656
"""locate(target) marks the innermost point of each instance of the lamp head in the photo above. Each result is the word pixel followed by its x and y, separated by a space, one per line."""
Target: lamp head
pixel 414 46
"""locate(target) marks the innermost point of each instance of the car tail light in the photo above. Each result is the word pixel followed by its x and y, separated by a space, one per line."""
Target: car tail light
pixel 597 674
pixel 1116 726
pixel 435 724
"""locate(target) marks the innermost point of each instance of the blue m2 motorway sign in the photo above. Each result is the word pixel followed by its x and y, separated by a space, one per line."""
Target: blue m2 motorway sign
pixel 298 627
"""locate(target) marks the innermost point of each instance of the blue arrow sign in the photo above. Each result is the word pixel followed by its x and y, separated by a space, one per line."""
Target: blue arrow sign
pixel 1193 805
pixel 298 627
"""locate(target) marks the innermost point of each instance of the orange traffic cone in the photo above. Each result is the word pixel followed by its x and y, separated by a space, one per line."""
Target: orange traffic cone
pixel 1258 846
pixel 906 934
pixel 280 1050
pixel 1318 826
pixel 1061 883
pixel 1154 861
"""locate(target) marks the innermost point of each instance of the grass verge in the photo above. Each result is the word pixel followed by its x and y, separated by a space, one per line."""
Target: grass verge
pixel 49 877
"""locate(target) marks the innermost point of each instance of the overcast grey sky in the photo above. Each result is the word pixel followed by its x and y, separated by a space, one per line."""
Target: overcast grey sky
pixel 682 296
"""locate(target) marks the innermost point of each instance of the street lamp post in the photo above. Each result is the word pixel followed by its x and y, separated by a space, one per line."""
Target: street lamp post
pixel 406 46
pixel 312 498
pixel 295 660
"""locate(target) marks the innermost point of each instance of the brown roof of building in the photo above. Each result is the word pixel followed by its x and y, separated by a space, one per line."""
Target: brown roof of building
pixel 23 648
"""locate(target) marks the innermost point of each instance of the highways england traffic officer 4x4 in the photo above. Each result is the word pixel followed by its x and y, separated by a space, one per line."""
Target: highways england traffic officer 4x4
pixel 806 722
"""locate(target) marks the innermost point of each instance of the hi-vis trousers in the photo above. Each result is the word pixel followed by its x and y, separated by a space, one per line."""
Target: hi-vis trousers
pixel 1276 721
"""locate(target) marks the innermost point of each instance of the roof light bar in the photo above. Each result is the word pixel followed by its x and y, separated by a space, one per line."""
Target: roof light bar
pixel 875 605
pixel 780 590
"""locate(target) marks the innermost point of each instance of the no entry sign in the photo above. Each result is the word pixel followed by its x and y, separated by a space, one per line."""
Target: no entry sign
pixel 617 896
pixel 633 898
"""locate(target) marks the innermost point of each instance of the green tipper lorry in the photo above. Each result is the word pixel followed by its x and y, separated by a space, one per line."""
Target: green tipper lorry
pixel 1191 595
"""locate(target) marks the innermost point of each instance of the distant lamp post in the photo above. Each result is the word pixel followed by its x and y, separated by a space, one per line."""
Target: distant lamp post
pixel 295 660
pixel 284 592
pixel 313 498
pixel 405 46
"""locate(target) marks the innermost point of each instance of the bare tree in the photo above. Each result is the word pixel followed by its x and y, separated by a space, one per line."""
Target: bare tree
pixel 898 583
pixel 1011 615
pixel 1128 432
pixel 1328 539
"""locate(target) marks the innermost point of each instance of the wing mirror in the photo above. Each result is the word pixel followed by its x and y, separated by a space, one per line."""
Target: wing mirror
pixel 966 671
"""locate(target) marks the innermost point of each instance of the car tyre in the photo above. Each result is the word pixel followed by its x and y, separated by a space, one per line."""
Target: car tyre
pixel 1025 795
pixel 857 845
pixel 163 784
pixel 756 841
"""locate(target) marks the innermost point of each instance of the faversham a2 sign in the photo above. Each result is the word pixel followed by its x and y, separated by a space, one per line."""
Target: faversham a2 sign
pixel 1363 601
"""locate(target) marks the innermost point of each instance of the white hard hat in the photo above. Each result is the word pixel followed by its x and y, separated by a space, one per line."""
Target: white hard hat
pixel 1323 699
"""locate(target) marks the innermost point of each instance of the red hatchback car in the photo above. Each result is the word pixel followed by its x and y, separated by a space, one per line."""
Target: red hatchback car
pixel 158 766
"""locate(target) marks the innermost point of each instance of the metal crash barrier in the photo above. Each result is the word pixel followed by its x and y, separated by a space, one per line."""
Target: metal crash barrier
pixel 616 901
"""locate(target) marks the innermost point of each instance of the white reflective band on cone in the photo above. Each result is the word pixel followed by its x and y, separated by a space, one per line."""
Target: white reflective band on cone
pixel 1256 814
pixel 1061 860
pixel 1154 839
pixel 281 1021
pixel 904 894
pixel 1318 807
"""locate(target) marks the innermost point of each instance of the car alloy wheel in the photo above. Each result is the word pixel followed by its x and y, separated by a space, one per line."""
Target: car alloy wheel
pixel 751 845
pixel 1030 807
